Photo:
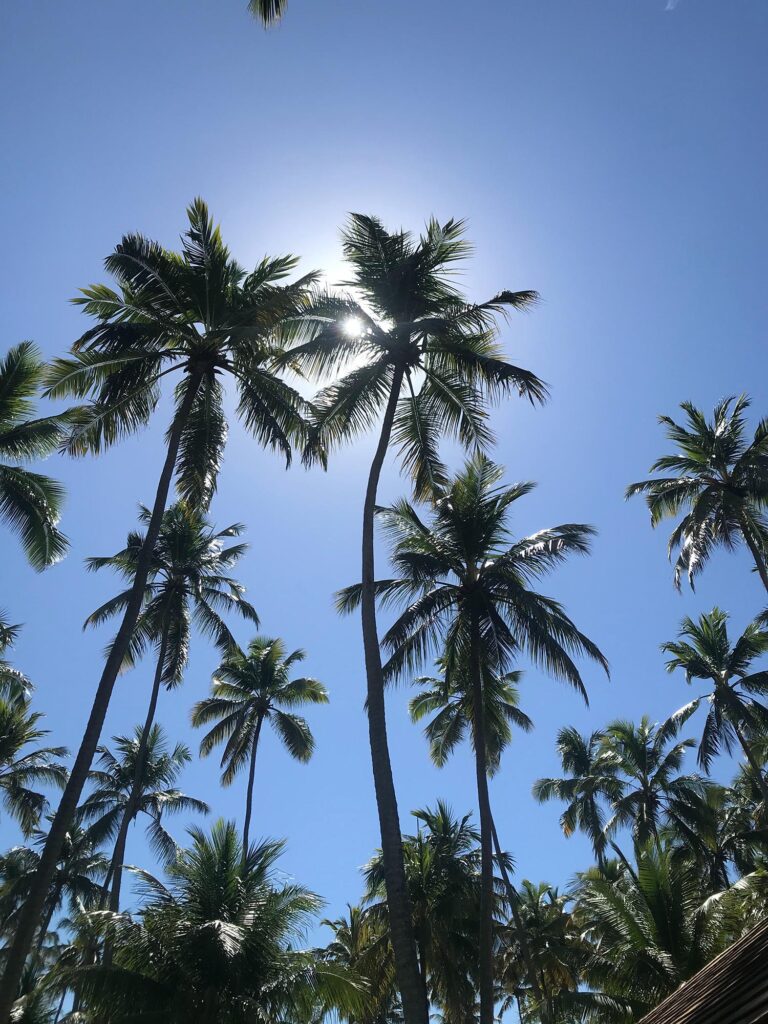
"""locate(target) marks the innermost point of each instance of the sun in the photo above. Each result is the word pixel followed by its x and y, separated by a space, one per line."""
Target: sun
pixel 352 327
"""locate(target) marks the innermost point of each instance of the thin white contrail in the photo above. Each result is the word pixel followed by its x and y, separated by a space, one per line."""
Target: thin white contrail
pixel 671 5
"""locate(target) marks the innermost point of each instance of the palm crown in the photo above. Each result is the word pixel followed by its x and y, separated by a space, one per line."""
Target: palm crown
pixel 719 479
pixel 24 764
pixel 591 778
pixel 703 650
pixel 156 795
pixel 452 708
pixel 461 565
pixel 189 582
pixel 29 502
pixel 249 688
pixel 408 329
pixel 197 314
pixel 216 943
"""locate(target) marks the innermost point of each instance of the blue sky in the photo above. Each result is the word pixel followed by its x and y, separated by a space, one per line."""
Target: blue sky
pixel 608 153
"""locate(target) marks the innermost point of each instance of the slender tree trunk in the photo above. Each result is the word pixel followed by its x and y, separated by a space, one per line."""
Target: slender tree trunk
pixel 249 790
pixel 129 811
pixel 486 828
pixel 525 949
pixel 755 551
pixel 30 915
pixel 45 924
pixel 412 991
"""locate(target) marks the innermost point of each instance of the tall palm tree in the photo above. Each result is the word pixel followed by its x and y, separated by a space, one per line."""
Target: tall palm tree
pixel 425 360
pixel 467 585
pixel 719 480
pixel 703 650
pixel 24 764
pixel 189 582
pixel 249 688
pixel 197 314
pixel 116 795
pixel 590 781
pixel 14 685
pixel 29 503
pixel 217 943
pixel 647 761
pixel 442 861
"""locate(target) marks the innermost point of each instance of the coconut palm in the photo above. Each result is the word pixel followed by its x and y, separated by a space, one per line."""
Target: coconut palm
pixel 249 688
pixel 426 361
pixel 719 479
pixel 189 582
pixel 29 502
pixel 269 12
pixel 77 879
pixel 14 685
pixel 468 588
pixel 442 862
pixel 703 650
pixel 216 943
pixel 25 765
pixel 557 947
pixel 646 758
pixel 361 945
pixel 590 781
pixel 116 795
pixel 449 700
pixel 715 831
pixel 196 314
pixel 651 929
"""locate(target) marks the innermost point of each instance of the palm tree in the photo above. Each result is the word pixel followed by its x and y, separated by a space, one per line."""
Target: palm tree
pixel 704 651
pixel 469 590
pixel 24 764
pixel 188 582
pixel 269 12
pixel 590 780
pixel 720 481
pixel 14 685
pixel 449 700
pixel 714 831
pixel 442 861
pixel 649 772
pixel 217 943
pixel 199 315
pixel 361 946
pixel 557 947
pixel 29 503
pixel 250 688
pixel 77 879
pixel 428 360
pixel 116 795
pixel 651 929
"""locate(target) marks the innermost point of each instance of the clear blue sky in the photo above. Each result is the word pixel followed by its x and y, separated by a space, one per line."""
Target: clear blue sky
pixel 609 153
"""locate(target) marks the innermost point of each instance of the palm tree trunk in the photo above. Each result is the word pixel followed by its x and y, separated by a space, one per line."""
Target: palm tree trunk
pixel 409 983
pixel 30 915
pixel 755 551
pixel 525 949
pixel 486 828
pixel 249 790
pixel 129 811
pixel 45 924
